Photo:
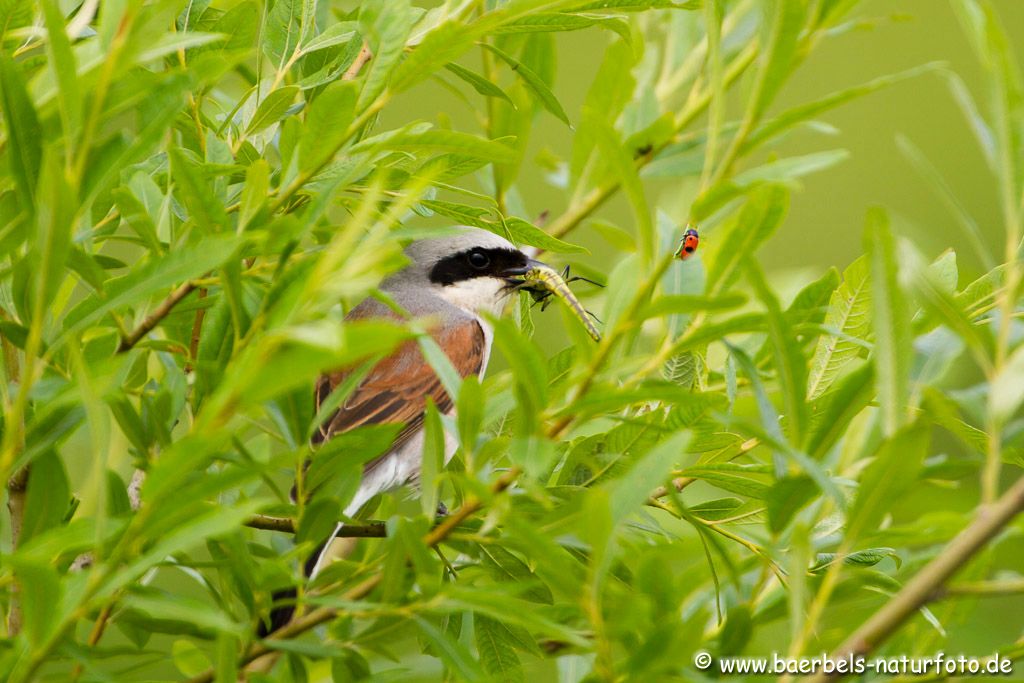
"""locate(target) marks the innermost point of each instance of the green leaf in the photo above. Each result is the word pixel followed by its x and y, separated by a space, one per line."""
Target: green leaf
pixel 452 652
pixel 892 472
pixel 533 82
pixel 195 191
pixel 433 459
pixel 779 55
pixel 524 232
pixel 327 123
pixel 47 497
pixel 255 192
pixel 62 62
pixel 652 469
pixel 790 366
pixel 289 23
pixel 39 598
pixel 445 141
pixel 891 322
pixel 479 83
pixel 54 216
pixel 272 109
pixel 443 44
pixel 24 134
pixel 497 650
pixel 752 227
pixel 386 27
pixel 1007 392
pixel 868 557
pixel 785 498
pixel 848 320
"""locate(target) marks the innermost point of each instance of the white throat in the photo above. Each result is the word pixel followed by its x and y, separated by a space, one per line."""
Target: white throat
pixel 477 295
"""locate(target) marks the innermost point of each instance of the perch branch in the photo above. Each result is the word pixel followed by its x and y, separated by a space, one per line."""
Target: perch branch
pixel 287 525
pixel 926 583
pixel 154 318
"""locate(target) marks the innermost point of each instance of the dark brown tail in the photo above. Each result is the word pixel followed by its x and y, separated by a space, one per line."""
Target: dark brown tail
pixel 284 611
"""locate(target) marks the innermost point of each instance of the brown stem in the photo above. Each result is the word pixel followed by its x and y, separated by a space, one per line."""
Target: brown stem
pixel 197 329
pixel 357 64
pixel 16 507
pixel 990 520
pixel 154 318
pixel 287 525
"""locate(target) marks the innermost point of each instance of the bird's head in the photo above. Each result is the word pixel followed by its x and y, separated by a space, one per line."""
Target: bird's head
pixel 477 270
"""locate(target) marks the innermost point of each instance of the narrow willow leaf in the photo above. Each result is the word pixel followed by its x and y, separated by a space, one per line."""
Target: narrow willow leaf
pixel 47 498
pixel 54 217
pixel 1007 392
pixel 848 319
pixel 893 471
pixel 326 125
pixel 861 558
pixel 779 55
pixel 833 412
pixel 471 406
pixel 433 459
pixel 775 127
pixel 785 498
pixel 629 492
pixel 255 192
pixel 497 650
pixel 40 598
pixel 62 61
pixel 952 203
pixel 495 151
pixel 524 232
pixel 451 652
pixel 386 27
pixel 790 365
pixel 752 227
pixel 890 322
pixel 443 44
pixel 479 83
pixel 192 187
pixel 534 82
pixel 273 108
pixel 289 23
pixel 25 137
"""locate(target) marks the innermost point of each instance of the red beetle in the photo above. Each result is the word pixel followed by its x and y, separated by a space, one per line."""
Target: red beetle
pixel 688 245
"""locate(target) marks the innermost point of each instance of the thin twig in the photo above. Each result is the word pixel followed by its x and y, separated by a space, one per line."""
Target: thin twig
pixel 16 507
pixel 287 525
pixel 154 318
pixel 357 64
pixel 917 592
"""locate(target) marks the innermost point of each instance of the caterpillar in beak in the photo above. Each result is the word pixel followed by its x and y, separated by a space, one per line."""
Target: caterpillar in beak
pixel 543 281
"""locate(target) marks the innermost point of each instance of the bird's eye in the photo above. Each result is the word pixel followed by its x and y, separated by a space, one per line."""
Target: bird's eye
pixel 478 259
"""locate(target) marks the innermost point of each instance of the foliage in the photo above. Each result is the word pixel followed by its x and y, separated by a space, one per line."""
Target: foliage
pixel 190 190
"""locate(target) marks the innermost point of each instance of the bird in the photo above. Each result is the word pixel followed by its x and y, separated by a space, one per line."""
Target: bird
pixel 456 281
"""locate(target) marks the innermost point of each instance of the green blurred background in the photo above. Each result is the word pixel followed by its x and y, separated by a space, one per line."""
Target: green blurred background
pixel 826 216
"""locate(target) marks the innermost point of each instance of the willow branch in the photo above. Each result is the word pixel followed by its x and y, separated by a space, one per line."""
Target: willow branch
pixel 287 525
pixel 154 318
pixel 991 519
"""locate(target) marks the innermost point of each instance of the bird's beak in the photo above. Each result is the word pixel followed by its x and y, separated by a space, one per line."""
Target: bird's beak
pixel 539 276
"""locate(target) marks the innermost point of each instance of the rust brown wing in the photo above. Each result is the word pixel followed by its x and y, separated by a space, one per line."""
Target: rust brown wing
pixel 396 389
